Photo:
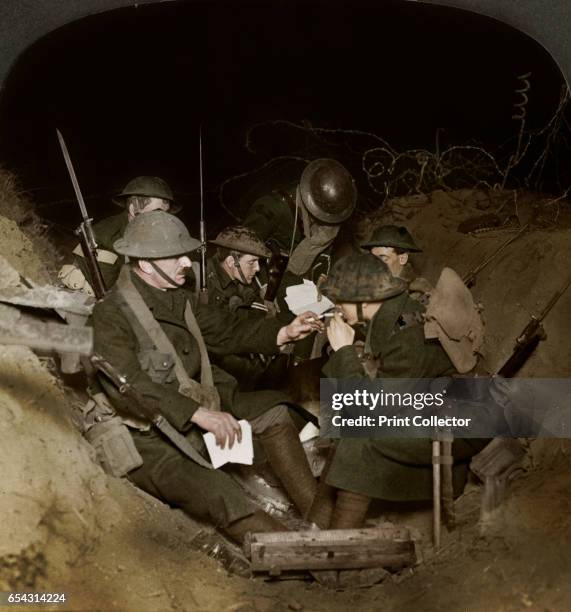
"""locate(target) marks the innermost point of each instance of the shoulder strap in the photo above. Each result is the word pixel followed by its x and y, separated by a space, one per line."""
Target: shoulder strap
pixel 204 392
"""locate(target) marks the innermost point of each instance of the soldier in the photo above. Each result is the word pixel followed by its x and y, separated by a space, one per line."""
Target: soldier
pixel 393 244
pixel 304 220
pixel 301 223
pixel 232 285
pixel 157 335
pixel 140 195
pixel 392 469
pixel 231 273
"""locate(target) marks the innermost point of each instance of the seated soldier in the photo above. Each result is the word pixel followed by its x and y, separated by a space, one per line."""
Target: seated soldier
pixel 393 244
pixel 232 285
pixel 398 469
pixel 147 328
pixel 140 195
pixel 231 273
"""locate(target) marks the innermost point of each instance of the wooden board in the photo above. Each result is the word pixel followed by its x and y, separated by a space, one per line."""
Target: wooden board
pixel 385 546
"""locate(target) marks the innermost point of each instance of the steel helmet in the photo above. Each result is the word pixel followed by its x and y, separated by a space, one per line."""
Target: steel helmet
pixel 361 278
pixel 394 236
pixel 242 239
pixel 149 187
pixel 328 191
pixel 156 235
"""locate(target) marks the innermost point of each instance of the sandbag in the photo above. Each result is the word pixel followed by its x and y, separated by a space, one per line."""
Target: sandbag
pixel 454 318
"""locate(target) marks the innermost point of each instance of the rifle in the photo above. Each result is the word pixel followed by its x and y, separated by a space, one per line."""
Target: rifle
pixel 470 277
pixel 148 409
pixel 203 294
pixel 84 231
pixel 530 337
pixel 276 268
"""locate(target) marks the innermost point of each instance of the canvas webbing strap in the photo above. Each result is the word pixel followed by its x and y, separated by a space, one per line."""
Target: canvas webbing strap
pixel 204 393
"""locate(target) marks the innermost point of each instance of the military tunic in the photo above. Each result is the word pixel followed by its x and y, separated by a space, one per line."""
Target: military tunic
pixel 232 295
pixel 394 469
pixel 166 472
pixel 272 217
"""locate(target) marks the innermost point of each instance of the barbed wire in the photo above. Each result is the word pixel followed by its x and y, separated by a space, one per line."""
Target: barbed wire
pixel 387 173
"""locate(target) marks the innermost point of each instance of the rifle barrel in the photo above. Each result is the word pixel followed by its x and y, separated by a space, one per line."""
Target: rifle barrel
pixel 470 277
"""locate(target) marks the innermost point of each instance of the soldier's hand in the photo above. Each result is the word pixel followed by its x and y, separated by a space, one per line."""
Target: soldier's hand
pixel 303 325
pixel 222 424
pixel 339 333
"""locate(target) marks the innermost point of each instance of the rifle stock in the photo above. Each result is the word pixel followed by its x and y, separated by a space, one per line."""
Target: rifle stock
pixel 90 256
pixel 530 337
pixel 149 409
pixel 519 356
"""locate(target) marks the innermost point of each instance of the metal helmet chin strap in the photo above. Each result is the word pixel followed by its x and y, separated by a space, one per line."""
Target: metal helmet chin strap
pixel 360 318
pixel 163 274
pixel 239 268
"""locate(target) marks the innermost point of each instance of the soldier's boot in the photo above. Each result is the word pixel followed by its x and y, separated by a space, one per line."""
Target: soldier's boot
pixel 350 510
pixel 324 501
pixel 349 513
pixel 288 460
pixel 228 554
pixel 258 522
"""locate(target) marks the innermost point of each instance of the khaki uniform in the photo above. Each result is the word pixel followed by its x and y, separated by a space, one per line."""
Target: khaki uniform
pixel 232 295
pixel 394 469
pixel 166 472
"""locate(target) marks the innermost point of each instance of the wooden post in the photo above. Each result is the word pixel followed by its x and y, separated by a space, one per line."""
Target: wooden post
pixel 436 506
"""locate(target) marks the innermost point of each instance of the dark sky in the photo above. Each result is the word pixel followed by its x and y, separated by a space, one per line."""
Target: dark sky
pixel 129 89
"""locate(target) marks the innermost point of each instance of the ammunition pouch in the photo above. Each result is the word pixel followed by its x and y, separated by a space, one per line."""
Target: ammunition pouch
pixel 114 447
pixel 159 366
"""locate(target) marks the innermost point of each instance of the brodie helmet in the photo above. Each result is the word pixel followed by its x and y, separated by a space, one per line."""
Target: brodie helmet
pixel 361 278
pixel 149 187
pixel 156 235
pixel 392 236
pixel 241 239
pixel 328 191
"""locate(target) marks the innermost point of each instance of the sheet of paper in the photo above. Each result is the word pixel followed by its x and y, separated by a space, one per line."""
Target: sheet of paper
pixel 300 298
pixel 241 452
pixel 309 432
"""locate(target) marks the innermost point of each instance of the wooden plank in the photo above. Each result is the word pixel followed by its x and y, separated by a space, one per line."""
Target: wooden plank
pixel 387 531
pixel 334 549
pixel 19 329
pixel 49 297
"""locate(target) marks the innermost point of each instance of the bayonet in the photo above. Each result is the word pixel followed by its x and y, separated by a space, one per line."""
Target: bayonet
pixel 84 231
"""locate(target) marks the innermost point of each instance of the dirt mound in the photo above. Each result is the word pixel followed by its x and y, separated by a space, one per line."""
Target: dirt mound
pixel 516 284
pixel 25 241
pixel 52 492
